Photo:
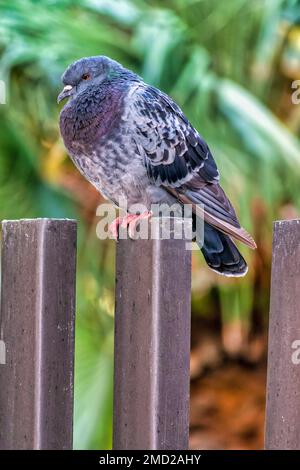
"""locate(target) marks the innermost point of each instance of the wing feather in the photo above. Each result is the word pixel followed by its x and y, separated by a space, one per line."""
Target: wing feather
pixel 178 158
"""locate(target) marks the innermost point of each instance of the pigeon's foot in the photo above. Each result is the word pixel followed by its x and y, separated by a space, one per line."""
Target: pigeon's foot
pixel 113 228
pixel 130 220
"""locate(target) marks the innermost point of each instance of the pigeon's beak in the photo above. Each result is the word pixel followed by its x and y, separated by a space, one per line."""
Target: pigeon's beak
pixel 65 93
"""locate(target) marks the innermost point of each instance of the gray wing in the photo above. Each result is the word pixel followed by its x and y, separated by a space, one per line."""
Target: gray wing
pixel 172 149
pixel 177 158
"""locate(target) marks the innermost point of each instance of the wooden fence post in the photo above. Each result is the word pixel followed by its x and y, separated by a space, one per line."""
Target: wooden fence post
pixel 283 383
pixel 37 327
pixel 152 343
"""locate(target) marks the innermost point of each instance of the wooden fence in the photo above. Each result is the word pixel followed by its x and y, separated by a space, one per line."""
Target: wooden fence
pixel 152 339
pixel 283 384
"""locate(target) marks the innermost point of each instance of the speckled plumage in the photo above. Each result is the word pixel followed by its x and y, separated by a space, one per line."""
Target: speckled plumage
pixel 132 141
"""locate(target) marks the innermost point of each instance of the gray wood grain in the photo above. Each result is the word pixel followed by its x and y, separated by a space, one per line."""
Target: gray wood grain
pixel 283 383
pixel 152 344
pixel 37 326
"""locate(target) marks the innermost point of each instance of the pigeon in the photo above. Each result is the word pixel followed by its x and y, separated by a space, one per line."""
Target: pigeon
pixel 133 142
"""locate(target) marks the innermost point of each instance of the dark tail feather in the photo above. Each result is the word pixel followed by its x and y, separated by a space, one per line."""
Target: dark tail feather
pixel 221 254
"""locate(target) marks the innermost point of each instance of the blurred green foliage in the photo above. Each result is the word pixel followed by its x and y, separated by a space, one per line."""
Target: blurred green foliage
pixel 229 65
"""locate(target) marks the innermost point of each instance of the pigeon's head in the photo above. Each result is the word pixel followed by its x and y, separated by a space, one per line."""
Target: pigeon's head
pixel 86 72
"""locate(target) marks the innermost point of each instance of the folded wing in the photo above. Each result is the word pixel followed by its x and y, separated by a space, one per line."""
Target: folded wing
pixel 177 158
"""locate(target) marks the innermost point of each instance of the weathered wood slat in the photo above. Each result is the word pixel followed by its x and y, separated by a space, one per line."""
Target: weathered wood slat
pixel 37 326
pixel 152 344
pixel 283 384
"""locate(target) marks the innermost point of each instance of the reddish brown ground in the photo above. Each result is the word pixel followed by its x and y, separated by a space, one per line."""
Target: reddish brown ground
pixel 227 408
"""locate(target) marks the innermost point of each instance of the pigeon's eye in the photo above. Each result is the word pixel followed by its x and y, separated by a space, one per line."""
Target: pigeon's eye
pixel 86 76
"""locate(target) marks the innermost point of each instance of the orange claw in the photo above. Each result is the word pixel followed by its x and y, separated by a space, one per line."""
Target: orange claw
pixel 114 228
pixel 130 221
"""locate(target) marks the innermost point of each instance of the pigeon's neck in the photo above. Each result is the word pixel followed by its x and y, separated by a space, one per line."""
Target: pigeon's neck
pixel 92 114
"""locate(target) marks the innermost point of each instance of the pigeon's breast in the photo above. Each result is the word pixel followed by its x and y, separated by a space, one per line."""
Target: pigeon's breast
pixel 97 131
pixel 97 139
pixel 114 169
pixel 91 117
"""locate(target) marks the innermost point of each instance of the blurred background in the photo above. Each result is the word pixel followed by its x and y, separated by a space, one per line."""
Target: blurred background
pixel 230 66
